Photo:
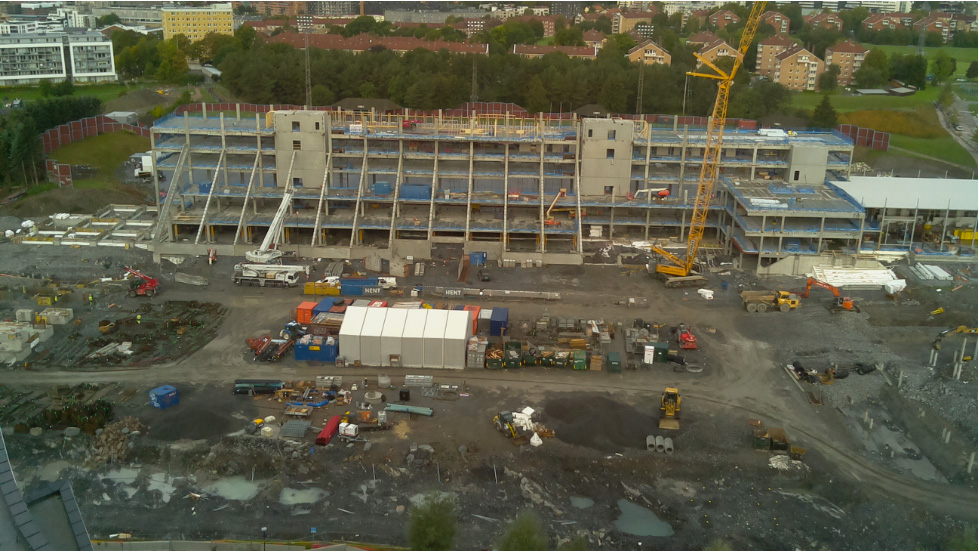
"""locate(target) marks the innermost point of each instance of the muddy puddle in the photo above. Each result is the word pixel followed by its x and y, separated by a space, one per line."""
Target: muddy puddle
pixel 581 502
pixel 236 488
pixel 640 521
pixel 292 496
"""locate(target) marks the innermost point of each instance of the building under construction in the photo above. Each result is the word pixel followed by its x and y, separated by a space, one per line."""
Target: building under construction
pixel 343 184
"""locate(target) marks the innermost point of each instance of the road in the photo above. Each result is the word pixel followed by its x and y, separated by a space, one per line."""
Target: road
pixel 968 123
pixel 746 380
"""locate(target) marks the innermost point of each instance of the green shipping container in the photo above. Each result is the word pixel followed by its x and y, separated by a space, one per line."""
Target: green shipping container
pixel 614 362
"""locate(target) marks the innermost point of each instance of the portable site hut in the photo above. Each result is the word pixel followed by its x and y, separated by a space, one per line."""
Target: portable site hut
pixel 353 322
pixel 435 338
pixel 370 336
pixel 458 329
pixel 394 326
pixel 413 339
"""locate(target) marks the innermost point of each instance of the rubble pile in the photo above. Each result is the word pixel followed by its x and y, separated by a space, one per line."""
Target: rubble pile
pixel 114 442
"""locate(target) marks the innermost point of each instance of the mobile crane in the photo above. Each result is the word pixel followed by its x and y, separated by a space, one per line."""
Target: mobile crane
pixel 146 286
pixel 678 271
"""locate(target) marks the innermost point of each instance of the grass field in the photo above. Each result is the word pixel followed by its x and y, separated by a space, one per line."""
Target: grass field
pixel 104 92
pixel 920 123
pixel 962 56
pixel 854 102
pixel 944 148
pixel 105 152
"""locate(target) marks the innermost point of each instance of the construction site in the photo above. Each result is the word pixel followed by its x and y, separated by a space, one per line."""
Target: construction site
pixel 651 336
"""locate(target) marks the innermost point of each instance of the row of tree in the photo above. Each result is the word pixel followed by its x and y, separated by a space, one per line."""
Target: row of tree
pixel 20 146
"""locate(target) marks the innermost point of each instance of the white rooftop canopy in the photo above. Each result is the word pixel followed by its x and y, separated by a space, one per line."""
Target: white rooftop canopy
pixel 911 193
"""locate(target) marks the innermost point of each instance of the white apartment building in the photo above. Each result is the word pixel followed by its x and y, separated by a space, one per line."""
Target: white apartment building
pixel 83 57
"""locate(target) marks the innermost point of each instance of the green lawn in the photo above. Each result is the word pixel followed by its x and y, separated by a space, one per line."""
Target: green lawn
pixel 104 92
pixel 106 152
pixel 962 56
pixel 945 148
pixel 854 102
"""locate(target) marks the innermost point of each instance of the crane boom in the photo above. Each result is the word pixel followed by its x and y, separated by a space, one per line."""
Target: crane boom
pixel 681 267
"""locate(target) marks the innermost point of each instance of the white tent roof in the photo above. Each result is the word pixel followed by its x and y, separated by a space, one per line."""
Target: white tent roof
pixel 911 193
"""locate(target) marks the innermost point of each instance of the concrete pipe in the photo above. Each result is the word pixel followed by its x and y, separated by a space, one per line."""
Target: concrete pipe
pixel 660 444
pixel 383 381
pixel 668 445
pixel 650 443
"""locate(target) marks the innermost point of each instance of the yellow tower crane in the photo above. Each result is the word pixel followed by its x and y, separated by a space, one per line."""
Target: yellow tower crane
pixel 678 270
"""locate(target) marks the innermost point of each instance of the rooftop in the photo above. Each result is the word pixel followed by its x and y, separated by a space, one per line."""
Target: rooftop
pixel 911 193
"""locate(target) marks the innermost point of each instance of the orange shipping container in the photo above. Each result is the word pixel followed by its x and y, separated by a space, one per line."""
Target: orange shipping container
pixel 474 310
pixel 304 313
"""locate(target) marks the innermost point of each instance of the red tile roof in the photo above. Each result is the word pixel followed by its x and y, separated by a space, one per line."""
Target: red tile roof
pixel 848 46
pixel 703 37
pixel 777 40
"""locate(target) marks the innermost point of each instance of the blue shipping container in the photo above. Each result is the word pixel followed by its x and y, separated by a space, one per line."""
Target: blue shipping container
pixel 350 289
pixel 477 258
pixel 366 281
pixel 205 188
pixel 323 306
pixel 164 397
pixel 326 354
pixel 416 191
pixel 499 321
pixel 382 188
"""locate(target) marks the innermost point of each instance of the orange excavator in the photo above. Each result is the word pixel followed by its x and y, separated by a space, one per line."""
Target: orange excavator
pixel 842 303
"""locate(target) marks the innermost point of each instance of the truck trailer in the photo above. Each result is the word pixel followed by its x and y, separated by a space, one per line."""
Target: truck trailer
pixel 254 274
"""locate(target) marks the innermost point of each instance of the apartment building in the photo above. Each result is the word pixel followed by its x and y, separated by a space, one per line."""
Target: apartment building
pixel 798 69
pixel 197 22
pixel 824 20
pixel 881 21
pixel 717 49
pixel 702 38
pixel 848 55
pixel 594 38
pixel 625 22
pixel 935 22
pixel 649 53
pixel 347 184
pixel 81 56
pixel 778 21
pixel 291 9
pixel 723 18
pixel 768 49
pixel 333 9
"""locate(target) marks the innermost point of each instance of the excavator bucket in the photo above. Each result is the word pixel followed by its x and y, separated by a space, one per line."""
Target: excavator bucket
pixel 521 440
pixel 669 423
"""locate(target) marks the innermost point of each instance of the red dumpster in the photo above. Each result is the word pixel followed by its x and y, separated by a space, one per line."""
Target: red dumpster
pixel 329 431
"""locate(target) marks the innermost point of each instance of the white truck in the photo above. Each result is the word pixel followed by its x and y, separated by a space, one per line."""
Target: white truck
pixel 282 276
pixel 143 166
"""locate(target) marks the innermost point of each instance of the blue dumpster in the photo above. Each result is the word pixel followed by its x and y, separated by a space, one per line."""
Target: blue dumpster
pixel 164 397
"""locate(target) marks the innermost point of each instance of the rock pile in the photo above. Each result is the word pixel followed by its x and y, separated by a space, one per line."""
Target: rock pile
pixel 113 442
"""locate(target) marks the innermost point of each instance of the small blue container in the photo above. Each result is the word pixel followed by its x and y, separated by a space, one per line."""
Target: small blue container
pixel 164 396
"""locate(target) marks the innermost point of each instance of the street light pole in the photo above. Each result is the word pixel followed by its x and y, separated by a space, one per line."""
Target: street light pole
pixel 265 535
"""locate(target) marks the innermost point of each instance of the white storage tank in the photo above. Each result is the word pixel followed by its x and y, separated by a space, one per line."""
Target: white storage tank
pixel 394 326
pixel 413 339
pixel 370 336
pixel 434 337
pixel 353 322
pixel 458 328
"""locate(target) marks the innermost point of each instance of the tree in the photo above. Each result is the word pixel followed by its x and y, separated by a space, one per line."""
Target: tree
pixel 535 99
pixel 245 9
pixel 173 61
pixel 965 39
pixel 432 524
pixel 107 20
pixel 45 87
pixel 875 70
pixel 942 67
pixel 571 36
pixel 828 79
pixel 526 533
pixel 793 10
pixel 910 68
pixel 970 73
pixel 852 18
pixel 64 88
pixel 322 95
pixel 946 97
pixel 824 116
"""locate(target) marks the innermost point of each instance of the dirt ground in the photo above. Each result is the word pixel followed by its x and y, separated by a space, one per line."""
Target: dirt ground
pixel 856 487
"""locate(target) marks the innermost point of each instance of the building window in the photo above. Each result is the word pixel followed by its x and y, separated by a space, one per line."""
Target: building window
pixel 295 126
pixel 795 176
pixel 589 133
pixel 317 125
pixel 611 135
pixel 610 153
pixel 297 182
pixel 297 145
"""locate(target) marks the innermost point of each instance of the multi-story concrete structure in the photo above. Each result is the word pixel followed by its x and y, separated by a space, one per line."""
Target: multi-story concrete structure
pixel 82 57
pixel 649 53
pixel 292 8
pixel 849 56
pixel 768 49
pixel 778 21
pixel 824 20
pixel 132 14
pixel 333 9
pixel 349 183
pixel 723 18
pixel 798 69
pixel 196 22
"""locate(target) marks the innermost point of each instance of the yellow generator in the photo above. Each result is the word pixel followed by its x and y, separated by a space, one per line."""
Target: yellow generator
pixel 671 409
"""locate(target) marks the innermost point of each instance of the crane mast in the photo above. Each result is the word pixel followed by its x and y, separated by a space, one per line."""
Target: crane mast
pixel 679 268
